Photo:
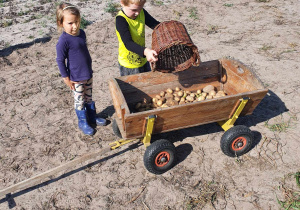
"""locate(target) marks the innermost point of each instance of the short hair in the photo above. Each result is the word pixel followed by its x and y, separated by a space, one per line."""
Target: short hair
pixel 137 2
pixel 60 14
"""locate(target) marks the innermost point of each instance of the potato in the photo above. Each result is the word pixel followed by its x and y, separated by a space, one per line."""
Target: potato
pixel 162 93
pixel 154 100
pixel 208 88
pixel 181 102
pixel 199 91
pixel 177 98
pixel 209 97
pixel 158 96
pixel 188 92
pixel 180 93
pixel 182 99
pixel 221 93
pixel 201 98
pixel 177 89
pixel 159 102
pixel 204 94
pixel 175 94
pixel 169 90
pixel 170 103
pixel 169 95
pixel 164 105
pixel 212 93
pixel 193 95
pixel 190 98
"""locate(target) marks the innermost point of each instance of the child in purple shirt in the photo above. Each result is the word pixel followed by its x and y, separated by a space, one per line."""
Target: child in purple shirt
pixel 75 65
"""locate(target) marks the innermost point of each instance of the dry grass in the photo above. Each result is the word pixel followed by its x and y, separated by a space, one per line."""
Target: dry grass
pixel 291 194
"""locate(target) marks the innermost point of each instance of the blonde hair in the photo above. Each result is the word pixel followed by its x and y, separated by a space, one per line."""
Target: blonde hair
pixel 60 14
pixel 137 2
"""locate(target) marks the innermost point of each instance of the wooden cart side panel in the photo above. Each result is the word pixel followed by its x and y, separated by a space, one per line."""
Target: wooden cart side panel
pixel 239 78
pixel 189 115
pixel 205 70
pixel 255 99
pixel 118 99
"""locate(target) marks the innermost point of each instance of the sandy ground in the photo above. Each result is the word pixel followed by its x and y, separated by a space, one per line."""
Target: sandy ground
pixel 38 129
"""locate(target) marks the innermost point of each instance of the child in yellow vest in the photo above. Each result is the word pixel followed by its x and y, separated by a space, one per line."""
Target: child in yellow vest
pixel 134 57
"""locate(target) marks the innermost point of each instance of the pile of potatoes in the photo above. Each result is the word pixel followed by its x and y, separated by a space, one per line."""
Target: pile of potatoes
pixel 177 96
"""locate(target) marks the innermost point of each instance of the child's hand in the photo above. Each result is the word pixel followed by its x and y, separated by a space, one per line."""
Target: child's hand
pixel 69 83
pixel 151 55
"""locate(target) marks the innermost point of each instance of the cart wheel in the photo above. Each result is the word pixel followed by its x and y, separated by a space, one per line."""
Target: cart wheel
pixel 116 129
pixel 236 141
pixel 160 156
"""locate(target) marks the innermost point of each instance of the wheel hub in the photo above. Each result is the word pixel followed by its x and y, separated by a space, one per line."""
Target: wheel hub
pixel 239 143
pixel 162 159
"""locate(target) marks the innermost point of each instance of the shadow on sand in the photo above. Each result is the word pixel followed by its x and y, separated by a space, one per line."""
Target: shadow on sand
pixel 9 50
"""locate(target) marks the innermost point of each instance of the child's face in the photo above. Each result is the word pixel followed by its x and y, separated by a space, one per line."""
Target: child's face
pixel 132 10
pixel 71 24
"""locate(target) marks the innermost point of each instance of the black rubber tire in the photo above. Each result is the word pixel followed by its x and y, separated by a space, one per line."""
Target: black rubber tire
pixel 236 141
pixel 160 150
pixel 116 129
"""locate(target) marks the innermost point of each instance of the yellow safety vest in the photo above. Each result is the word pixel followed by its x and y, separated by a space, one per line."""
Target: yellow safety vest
pixel 128 58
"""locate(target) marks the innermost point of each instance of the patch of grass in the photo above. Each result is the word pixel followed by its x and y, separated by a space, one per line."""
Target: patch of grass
pixel 7 44
pixel 158 3
pixel 291 195
pixel 84 22
pixel 177 14
pixel 7 23
pixel 281 126
pixel 210 191
pixel 293 45
pixel 41 32
pixel 21 13
pixel 31 37
pixel 212 29
pixel 112 8
pixel 228 5
pixel 193 13
pixel 266 47
pixel 44 24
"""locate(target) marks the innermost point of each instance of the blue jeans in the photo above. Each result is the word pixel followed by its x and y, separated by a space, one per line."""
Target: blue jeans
pixel 127 71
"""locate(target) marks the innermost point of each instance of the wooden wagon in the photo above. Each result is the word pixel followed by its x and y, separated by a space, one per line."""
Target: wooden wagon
pixel 244 92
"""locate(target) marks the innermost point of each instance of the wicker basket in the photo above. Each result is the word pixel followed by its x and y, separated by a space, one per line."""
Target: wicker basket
pixel 176 51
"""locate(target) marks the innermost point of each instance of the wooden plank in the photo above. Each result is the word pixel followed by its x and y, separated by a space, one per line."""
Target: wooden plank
pixel 35 180
pixel 118 98
pixel 205 70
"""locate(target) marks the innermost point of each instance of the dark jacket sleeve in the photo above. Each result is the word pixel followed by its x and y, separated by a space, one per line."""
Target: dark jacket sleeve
pixel 61 55
pixel 150 21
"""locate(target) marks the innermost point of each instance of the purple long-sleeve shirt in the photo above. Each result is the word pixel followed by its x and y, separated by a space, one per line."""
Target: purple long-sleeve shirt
pixel 73 58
